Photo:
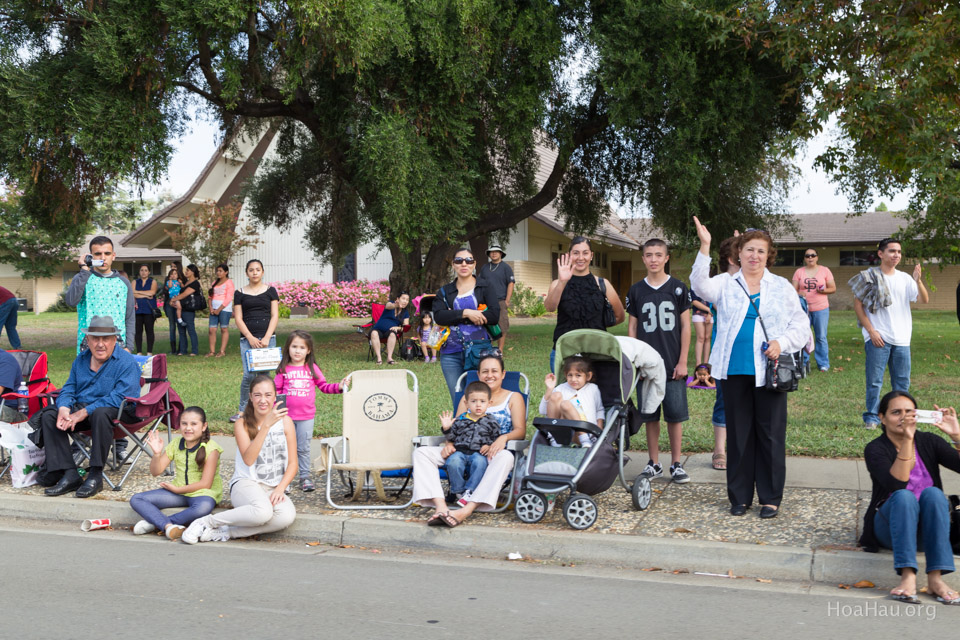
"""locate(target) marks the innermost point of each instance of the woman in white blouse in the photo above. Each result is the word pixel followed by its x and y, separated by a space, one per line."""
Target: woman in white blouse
pixel 756 417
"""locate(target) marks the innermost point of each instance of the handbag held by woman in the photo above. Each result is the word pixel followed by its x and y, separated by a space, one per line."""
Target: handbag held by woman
pixel 784 372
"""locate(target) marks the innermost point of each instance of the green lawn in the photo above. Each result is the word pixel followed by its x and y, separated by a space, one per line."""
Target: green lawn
pixel 824 415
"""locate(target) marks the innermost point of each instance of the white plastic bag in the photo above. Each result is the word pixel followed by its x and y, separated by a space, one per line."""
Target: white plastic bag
pixel 25 457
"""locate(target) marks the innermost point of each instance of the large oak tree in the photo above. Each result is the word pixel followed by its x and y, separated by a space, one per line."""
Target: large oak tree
pixel 414 122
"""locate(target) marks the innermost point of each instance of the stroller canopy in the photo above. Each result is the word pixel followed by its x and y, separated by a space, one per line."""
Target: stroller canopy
pixel 614 372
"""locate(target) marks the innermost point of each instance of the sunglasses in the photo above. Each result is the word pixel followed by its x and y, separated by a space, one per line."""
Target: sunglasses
pixel 464 261
pixel 810 255
pixel 496 353
pixel 763 231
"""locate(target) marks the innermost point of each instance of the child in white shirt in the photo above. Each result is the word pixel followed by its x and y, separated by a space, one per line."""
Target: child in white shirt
pixel 575 399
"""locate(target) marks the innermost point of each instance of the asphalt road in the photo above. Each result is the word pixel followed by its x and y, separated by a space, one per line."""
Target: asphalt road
pixel 58 583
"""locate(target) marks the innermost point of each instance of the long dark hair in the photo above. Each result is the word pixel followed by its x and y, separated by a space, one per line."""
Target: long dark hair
pixel 201 456
pixel 249 419
pixel 309 362
pixel 226 271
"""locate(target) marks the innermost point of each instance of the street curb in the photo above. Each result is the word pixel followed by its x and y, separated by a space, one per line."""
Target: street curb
pixel 633 552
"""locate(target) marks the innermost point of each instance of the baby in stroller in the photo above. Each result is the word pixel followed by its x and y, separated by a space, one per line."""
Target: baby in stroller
pixel 471 433
pixel 576 399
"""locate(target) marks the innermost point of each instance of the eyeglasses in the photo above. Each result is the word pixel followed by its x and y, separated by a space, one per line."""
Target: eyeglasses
pixel 810 255
pixel 464 261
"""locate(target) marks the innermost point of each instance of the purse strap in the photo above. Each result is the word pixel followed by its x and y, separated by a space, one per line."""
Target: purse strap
pixel 759 317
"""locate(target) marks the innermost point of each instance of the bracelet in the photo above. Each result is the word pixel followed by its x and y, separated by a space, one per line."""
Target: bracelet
pixel 955 443
pixel 905 459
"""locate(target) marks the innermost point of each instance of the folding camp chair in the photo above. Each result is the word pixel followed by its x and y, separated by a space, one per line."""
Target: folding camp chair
pixel 379 424
pixel 40 391
pixel 376 310
pixel 157 405
pixel 512 381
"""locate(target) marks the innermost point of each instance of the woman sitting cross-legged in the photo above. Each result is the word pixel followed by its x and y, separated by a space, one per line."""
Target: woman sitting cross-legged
pixel 508 408
pixel 908 500
pixel 266 463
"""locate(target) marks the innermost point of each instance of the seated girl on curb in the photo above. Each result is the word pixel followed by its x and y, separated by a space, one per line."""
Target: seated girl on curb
pixel 196 478
pixel 575 399
pixel 265 464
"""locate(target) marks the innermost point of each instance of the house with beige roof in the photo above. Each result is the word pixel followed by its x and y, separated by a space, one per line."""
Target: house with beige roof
pixel 532 249
pixel 846 244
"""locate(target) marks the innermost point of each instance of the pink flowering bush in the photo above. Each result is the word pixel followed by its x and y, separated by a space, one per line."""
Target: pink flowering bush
pixel 353 298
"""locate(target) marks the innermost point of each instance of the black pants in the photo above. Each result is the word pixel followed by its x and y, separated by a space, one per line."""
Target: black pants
pixel 56 443
pixel 145 323
pixel 756 441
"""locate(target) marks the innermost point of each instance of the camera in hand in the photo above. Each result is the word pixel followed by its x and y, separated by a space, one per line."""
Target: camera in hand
pixel 90 262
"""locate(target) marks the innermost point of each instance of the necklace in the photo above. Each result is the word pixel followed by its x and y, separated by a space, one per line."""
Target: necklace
pixel 496 265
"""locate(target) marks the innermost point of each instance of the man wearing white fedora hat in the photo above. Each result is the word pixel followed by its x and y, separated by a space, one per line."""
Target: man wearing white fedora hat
pixel 100 378
pixel 498 275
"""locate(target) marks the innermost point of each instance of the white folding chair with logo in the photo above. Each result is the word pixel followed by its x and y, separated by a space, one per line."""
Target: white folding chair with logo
pixel 379 424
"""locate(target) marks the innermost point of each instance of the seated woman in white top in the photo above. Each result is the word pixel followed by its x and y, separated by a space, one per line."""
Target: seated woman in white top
pixel 508 408
pixel 263 470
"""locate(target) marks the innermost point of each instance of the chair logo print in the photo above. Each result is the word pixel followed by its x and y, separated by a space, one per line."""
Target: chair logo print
pixel 380 407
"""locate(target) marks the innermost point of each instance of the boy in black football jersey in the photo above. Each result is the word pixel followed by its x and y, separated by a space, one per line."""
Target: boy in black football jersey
pixel 659 308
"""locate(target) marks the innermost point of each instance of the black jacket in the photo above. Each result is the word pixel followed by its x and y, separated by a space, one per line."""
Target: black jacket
pixel 444 314
pixel 879 455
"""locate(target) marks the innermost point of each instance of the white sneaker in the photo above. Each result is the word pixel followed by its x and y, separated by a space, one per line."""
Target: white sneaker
pixel 214 534
pixel 143 527
pixel 174 531
pixel 465 498
pixel 192 533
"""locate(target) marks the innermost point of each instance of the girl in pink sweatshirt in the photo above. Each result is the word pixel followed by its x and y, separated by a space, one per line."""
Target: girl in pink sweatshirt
pixel 298 377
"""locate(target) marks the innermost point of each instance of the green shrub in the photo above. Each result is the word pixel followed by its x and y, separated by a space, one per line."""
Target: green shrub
pixel 526 302
pixel 60 306
pixel 284 311
pixel 334 310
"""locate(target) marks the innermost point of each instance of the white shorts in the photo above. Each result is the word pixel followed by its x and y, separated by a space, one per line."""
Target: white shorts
pixel 705 319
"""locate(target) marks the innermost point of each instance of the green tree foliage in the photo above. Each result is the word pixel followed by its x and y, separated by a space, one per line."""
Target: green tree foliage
pixel 117 212
pixel 32 250
pixel 886 70
pixel 413 122
pixel 211 236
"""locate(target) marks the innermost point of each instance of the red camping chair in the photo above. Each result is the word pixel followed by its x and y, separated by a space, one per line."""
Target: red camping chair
pixel 40 391
pixel 376 310
pixel 157 405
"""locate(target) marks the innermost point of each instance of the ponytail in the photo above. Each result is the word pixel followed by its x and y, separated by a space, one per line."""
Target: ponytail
pixel 201 455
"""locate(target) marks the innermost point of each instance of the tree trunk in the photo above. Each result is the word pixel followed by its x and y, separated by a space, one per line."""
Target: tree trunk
pixel 36 292
pixel 414 275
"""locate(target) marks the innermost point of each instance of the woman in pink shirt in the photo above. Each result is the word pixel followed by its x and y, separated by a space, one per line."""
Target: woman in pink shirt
pixel 814 283
pixel 299 377
pixel 221 308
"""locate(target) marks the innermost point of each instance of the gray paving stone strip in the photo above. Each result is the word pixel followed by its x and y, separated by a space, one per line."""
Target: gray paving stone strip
pixel 686 528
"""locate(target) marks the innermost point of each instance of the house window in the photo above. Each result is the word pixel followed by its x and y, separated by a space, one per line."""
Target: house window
pixel 859 258
pixel 789 257
pixel 348 272
pixel 554 274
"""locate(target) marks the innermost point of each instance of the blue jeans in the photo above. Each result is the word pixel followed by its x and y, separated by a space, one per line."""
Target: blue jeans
pixel 902 516
pixel 149 504
pixel 248 376
pixel 451 364
pixel 188 327
pixel 821 350
pixel 878 359
pixel 8 321
pixel 304 430
pixel 719 415
pixel 471 467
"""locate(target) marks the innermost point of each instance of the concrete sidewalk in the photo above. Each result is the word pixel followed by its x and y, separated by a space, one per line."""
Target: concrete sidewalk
pixel 686 527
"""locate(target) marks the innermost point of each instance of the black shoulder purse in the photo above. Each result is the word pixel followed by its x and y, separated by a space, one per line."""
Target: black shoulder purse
pixel 609 317
pixel 785 372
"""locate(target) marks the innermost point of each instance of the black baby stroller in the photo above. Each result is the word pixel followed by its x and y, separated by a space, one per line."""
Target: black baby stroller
pixel 618 363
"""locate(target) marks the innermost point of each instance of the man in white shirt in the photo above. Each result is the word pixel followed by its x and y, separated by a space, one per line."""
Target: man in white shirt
pixel 887 330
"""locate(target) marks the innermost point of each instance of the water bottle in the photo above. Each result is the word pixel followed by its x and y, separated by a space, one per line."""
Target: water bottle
pixel 23 404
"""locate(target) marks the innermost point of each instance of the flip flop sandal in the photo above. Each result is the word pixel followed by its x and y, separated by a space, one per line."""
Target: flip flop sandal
pixel 909 598
pixel 436 520
pixel 391 362
pixel 719 461
pixel 955 600
pixel 449 520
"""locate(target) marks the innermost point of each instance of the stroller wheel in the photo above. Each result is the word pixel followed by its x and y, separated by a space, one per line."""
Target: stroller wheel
pixel 580 511
pixel 530 506
pixel 641 492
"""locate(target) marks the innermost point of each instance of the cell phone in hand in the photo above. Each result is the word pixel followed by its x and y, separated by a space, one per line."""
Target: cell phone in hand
pixel 282 399
pixel 929 417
